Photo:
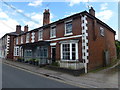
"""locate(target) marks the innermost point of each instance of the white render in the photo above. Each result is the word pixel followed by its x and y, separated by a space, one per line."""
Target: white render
pixel 74 65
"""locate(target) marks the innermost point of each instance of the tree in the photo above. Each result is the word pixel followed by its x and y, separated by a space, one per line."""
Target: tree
pixel 118 49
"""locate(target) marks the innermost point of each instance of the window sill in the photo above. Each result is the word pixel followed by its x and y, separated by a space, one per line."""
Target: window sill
pixel 27 42
pixel 102 35
pixel 53 37
pixel 40 39
pixel 68 34
pixel 70 61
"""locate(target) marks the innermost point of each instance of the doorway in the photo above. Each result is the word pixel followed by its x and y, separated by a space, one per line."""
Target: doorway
pixel 53 54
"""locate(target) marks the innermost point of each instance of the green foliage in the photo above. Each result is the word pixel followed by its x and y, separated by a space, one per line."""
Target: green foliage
pixel 36 60
pixel 118 49
pixel 32 59
pixel 55 64
pixel 27 60
pixel 20 58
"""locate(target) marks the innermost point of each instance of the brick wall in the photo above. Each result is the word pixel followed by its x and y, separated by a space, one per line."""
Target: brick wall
pixel 98 44
pixel 11 48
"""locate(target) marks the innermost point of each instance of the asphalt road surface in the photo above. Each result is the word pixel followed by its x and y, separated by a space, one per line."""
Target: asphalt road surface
pixel 16 78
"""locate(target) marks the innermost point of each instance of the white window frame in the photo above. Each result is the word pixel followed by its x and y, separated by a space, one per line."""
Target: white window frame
pixel 53 31
pixel 66 34
pixel 76 52
pixel 27 37
pixel 40 35
pixel 21 39
pixel 16 40
pixel 51 49
pixel 102 31
pixel 16 51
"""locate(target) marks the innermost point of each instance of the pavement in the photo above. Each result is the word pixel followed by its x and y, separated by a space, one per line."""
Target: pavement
pixel 107 78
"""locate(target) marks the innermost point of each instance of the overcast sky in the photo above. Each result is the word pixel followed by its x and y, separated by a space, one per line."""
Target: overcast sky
pixel 31 13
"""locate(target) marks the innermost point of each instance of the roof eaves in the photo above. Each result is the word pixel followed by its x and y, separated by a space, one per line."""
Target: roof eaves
pixel 101 22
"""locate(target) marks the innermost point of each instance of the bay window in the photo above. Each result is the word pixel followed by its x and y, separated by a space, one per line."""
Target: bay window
pixel 69 51
pixel 16 51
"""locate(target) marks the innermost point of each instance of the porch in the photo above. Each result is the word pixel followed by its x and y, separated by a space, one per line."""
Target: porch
pixel 35 52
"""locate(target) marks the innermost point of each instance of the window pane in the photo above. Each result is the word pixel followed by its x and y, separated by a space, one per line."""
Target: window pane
pixel 73 56
pixel 73 52
pixel 66 51
pixel 102 31
pixel 40 35
pixel 43 52
pixel 53 31
pixel 68 27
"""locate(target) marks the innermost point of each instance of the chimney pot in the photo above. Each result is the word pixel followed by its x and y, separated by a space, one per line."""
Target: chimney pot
pixel 18 29
pixel 46 17
pixel 26 28
pixel 92 11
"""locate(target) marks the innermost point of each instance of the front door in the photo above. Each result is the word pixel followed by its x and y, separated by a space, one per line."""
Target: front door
pixel 53 54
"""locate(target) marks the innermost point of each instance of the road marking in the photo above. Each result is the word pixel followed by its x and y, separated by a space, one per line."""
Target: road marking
pixel 38 74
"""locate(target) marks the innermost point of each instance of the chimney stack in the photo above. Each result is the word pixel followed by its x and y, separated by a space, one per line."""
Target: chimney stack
pixel 18 29
pixel 92 11
pixel 26 28
pixel 46 17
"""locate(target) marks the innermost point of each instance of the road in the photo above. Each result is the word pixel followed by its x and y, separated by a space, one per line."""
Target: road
pixel 16 78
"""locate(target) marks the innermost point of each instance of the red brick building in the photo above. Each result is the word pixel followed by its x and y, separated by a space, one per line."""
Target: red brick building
pixel 77 41
pixel 7 43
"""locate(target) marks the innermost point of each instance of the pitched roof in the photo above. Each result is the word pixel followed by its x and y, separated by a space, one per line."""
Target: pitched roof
pixel 75 15
pixel 13 34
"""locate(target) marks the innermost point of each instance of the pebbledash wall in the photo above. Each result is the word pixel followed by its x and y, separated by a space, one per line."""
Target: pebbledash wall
pixel 78 41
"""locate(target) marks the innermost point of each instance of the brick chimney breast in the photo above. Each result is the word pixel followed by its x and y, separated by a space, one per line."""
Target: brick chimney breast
pixel 92 11
pixel 18 29
pixel 26 28
pixel 46 17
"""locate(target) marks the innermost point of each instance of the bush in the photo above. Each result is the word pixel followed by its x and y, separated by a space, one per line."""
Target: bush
pixel 26 61
pixel 55 64
pixel 20 59
pixel 36 62
pixel 118 49
pixel 32 61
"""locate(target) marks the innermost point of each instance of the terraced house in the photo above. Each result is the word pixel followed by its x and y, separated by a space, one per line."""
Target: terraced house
pixel 7 43
pixel 78 41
